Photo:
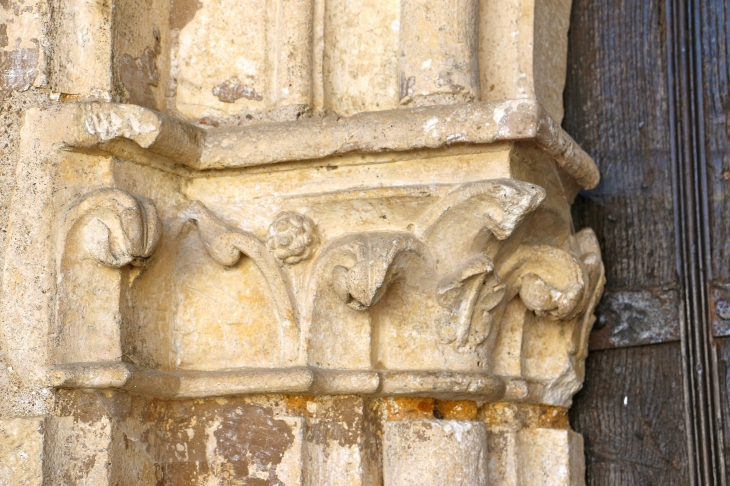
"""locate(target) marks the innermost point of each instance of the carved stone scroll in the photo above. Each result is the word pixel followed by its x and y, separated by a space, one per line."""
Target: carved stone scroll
pixel 227 245
pixel 102 232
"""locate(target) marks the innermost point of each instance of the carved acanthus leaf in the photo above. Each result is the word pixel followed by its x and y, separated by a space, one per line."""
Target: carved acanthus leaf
pixel 585 244
pixel 460 224
pixel 543 298
pixel 551 281
pixel 362 266
pixel 377 264
pixel 500 205
pixel 226 245
pixel 460 291
pixel 108 227
pixel 450 286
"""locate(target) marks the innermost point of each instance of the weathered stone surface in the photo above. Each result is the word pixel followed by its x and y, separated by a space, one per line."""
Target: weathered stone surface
pixel 342 443
pixel 23 59
pixel 80 65
pixel 438 56
pixel 523 51
pixel 412 445
pixel 290 243
pixel 550 457
pixel 21 451
pixel 224 70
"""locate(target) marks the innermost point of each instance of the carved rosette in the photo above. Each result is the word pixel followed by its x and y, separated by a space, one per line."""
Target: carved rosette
pixel 291 237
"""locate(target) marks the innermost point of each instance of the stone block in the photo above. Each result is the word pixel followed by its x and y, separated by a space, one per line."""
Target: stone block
pixel 435 453
pixel 551 457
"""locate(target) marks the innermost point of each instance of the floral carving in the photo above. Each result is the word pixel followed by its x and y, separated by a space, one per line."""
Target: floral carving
pixel 363 284
pixel 460 289
pixel 227 245
pixel 117 228
pixel 291 237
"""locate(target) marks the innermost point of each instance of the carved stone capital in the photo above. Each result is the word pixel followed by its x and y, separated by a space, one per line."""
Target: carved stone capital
pixel 333 247
pixel 392 274
pixel 454 294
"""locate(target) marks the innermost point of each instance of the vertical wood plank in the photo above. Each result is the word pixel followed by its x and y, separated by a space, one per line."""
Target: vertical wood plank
pixel 616 105
pixel 715 65
pixel 723 358
pixel 631 414
pixel 716 77
pixel 616 101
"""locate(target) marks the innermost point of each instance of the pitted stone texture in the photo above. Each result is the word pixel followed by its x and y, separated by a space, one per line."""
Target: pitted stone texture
pixel 360 67
pixel 119 439
pixel 435 453
pixel 438 52
pixel 22 57
pixel 21 451
pixel 551 457
pixel 80 66
pixel 223 441
pixel 342 445
pixel 79 450
pixel 223 70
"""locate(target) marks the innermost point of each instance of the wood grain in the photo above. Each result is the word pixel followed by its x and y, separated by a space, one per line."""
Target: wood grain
pixel 716 91
pixel 631 415
pixel 616 108
pixel 631 411
pixel 723 358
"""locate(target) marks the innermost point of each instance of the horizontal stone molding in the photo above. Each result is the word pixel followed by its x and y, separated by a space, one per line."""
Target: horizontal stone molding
pixel 299 380
pixel 102 126
pixel 313 381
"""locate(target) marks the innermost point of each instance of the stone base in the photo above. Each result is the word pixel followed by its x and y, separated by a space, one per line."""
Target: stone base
pixel 113 438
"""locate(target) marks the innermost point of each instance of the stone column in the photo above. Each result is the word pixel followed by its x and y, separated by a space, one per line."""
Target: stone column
pixel 316 242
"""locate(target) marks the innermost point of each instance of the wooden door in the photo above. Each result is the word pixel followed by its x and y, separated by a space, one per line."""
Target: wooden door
pixel 648 96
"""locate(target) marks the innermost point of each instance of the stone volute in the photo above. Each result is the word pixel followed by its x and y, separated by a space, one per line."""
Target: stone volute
pixel 313 242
